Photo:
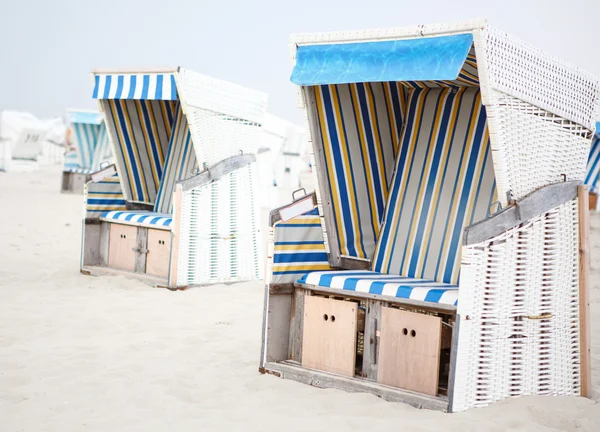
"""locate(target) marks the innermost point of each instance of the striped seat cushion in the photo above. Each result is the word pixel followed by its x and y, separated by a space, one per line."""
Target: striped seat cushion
pixel 385 284
pixel 78 170
pixel 139 218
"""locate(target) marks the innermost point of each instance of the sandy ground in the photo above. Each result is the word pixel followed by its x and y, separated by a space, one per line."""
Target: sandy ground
pixel 79 353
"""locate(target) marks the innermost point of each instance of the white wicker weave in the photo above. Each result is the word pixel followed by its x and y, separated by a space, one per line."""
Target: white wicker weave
pixel 528 271
pixel 220 239
pixel 224 118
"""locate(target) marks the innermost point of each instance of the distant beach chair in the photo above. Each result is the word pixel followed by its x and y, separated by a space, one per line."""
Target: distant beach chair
pixel 182 207
pixel 592 177
pixel 22 154
pixel 92 154
pixel 443 261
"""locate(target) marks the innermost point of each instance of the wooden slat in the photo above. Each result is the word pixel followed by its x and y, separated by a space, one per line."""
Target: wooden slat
pixel 371 339
pixel 141 250
pixel 409 351
pixel 104 243
pixel 329 335
pixel 277 332
pixel 584 292
pixel 355 385
pixel 532 205
pixel 297 325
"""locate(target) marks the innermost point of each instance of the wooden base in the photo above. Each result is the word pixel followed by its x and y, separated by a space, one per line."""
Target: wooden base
pixel 74 182
pixel 291 370
pixel 376 344
pixel 593 201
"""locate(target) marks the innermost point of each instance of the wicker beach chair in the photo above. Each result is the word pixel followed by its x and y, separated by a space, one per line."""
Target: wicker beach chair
pixel 181 209
pixel 443 260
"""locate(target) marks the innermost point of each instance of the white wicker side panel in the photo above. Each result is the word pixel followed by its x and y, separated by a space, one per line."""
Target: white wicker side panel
pixel 219 231
pixel 532 147
pixel 518 69
pixel 519 313
pixel 224 118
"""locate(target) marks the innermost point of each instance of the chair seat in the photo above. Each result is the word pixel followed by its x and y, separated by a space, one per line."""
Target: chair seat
pixel 385 284
pixel 139 218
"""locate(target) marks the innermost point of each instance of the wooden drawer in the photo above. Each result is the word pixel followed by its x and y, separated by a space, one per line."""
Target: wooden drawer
pixel 159 252
pixel 329 335
pixel 121 254
pixel 409 350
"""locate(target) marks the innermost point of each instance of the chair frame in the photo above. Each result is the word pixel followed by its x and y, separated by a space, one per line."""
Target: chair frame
pixel 553 197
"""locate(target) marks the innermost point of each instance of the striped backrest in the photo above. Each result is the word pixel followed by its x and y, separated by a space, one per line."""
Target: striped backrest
pixel 298 248
pixel 103 196
pixel 85 137
pixel 592 177
pixel 141 130
pixel 359 128
pixel 102 151
pixel 180 164
pixel 443 181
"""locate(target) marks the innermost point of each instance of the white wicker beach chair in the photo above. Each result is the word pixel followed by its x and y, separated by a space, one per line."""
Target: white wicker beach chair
pixel 92 150
pixel 181 209
pixel 443 260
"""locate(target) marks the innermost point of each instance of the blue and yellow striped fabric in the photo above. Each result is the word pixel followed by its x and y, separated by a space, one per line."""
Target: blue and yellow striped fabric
pixel 141 130
pixel 180 164
pixel 102 150
pixel 443 181
pixel 592 177
pixel 86 138
pixel 298 248
pixel 104 195
pixel 151 86
pixel 359 128
pixel 385 285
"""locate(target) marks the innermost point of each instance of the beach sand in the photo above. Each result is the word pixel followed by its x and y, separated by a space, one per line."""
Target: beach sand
pixel 80 353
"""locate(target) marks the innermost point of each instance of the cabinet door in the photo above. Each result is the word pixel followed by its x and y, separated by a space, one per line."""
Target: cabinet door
pixel 329 335
pixel 409 350
pixel 123 240
pixel 159 252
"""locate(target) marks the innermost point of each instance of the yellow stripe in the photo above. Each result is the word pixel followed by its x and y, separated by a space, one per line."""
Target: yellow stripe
pixel 300 268
pixel 419 204
pixel 330 166
pixel 438 181
pixel 304 247
pixel 146 134
pixel 347 173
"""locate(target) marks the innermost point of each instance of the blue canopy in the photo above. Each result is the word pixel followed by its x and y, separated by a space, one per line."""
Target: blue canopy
pixel 423 59
pixel 85 117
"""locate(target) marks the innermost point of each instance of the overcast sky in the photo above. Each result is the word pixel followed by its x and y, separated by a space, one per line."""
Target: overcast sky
pixel 48 47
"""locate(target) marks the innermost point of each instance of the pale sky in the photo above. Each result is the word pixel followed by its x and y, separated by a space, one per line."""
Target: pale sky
pixel 49 47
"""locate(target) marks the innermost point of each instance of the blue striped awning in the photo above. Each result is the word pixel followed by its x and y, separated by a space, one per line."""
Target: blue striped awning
pixel 85 117
pixel 424 59
pixel 157 86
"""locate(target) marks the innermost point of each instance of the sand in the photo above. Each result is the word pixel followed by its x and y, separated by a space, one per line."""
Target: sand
pixel 80 353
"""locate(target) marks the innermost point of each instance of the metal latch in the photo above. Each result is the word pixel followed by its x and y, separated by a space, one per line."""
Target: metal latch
pixel 140 250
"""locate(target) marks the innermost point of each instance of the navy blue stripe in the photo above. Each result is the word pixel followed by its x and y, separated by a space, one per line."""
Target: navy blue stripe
pixel 299 257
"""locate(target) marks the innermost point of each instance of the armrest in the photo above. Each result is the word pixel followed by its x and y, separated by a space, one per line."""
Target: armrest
pixel 220 169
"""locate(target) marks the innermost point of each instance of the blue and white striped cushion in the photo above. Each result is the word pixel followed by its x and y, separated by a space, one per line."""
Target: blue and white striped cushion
pixel 78 170
pixel 140 218
pixel 385 284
